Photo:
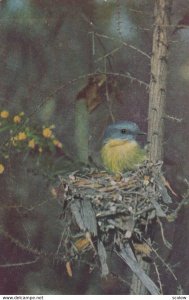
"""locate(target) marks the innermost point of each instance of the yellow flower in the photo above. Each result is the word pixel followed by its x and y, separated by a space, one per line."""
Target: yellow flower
pixel 57 143
pixel 2 168
pixel 21 114
pixel 40 150
pixel 17 119
pixel 31 144
pixel 47 132
pixel 4 114
pixel 22 136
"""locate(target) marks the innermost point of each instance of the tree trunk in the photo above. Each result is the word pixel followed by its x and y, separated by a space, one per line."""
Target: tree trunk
pixel 157 94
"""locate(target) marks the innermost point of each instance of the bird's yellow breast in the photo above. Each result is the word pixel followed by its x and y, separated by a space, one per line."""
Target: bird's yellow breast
pixel 120 155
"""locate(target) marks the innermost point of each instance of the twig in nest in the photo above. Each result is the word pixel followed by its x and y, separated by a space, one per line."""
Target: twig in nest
pixel 163 262
pixel 166 243
pixel 172 217
pixel 158 277
pixel 60 242
pixel 127 283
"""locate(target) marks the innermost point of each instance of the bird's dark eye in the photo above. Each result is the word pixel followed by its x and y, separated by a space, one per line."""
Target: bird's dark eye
pixel 124 131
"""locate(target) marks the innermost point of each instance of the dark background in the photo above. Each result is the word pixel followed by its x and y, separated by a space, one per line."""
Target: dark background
pixel 44 45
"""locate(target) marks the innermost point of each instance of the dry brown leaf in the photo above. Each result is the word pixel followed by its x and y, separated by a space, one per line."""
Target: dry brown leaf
pixel 53 191
pixel 146 180
pixel 69 269
pixel 86 183
pixel 167 184
pixel 82 243
pixel 88 237
pixel 142 248
pixel 92 91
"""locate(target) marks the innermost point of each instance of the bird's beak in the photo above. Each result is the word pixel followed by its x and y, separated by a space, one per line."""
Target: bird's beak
pixel 142 133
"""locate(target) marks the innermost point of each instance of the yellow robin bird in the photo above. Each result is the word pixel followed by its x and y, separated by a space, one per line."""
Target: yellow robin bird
pixel 121 151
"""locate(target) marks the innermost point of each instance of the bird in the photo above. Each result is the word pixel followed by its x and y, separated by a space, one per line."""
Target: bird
pixel 120 150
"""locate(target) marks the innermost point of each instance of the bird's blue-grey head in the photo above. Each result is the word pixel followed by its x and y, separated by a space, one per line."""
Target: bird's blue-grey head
pixel 124 130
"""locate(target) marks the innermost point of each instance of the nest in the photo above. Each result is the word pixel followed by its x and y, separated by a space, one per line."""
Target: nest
pixel 102 212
